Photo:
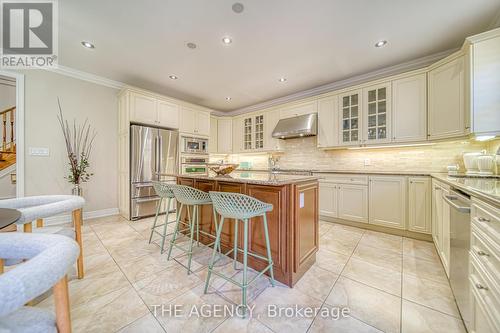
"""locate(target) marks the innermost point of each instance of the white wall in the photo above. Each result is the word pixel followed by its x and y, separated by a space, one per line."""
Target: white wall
pixel 79 100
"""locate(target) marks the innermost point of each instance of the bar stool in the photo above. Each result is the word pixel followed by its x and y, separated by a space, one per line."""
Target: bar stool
pixel 242 208
pixel 164 191
pixel 189 197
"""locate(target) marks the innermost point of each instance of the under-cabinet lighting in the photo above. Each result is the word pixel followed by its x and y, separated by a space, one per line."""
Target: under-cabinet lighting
pixel 484 137
pixel 392 146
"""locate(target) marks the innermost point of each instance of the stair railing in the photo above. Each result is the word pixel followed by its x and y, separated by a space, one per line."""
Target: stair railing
pixel 8 142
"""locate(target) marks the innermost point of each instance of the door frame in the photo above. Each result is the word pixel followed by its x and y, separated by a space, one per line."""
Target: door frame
pixel 20 158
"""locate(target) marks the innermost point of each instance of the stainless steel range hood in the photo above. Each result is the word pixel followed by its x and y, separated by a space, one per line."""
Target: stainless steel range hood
pixel 295 127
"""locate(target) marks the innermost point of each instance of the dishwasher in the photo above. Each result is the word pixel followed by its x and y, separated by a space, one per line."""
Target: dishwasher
pixel 459 251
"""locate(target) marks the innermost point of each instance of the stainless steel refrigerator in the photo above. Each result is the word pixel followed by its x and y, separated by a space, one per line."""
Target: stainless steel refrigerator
pixel 153 151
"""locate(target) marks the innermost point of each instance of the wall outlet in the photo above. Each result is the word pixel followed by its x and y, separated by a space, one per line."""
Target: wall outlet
pixel 368 162
pixel 39 151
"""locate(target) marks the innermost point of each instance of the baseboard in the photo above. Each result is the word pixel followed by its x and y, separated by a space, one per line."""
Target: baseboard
pixel 60 219
pixel 387 230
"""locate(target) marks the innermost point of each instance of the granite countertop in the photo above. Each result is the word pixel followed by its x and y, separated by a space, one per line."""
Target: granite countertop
pixel 364 172
pixel 256 178
pixel 485 188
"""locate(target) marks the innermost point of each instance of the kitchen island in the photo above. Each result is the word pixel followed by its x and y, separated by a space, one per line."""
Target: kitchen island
pixel 293 222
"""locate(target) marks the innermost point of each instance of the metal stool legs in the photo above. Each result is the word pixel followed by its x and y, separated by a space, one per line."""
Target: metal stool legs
pixel 162 234
pixel 245 283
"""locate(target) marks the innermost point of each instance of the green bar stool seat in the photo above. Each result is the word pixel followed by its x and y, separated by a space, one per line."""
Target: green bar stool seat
pixel 191 198
pixel 241 208
pixel 164 191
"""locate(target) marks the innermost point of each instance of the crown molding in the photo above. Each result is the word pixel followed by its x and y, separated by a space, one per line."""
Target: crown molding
pixel 352 81
pixel 81 75
pixel 495 23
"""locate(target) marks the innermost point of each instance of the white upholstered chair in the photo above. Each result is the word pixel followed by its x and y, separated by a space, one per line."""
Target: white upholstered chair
pixel 36 208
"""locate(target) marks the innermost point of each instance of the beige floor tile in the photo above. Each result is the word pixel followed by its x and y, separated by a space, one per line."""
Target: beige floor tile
pixel 233 293
pixel 109 313
pixel 420 319
pixel 148 324
pixel 340 232
pixel 338 226
pixel 374 276
pixel 197 312
pixel 133 249
pixel 342 325
pixel 140 268
pixel 267 305
pixel 432 294
pixel 374 307
pixel 432 270
pixel 332 241
pixel 331 261
pixel 419 249
pixel 317 282
pixel 242 325
pixel 382 241
pixel 379 257
pixel 324 227
pixel 166 285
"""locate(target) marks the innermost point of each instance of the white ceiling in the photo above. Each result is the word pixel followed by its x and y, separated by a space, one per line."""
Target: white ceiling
pixel 311 42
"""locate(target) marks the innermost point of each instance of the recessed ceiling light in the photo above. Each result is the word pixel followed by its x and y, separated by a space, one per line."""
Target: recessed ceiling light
pixel 227 40
pixel 88 45
pixel 191 45
pixel 238 7
pixel 228 98
pixel 173 77
pixel 380 43
pixel 282 79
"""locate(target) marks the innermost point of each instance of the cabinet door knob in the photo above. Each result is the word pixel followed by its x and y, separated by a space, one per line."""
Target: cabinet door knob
pixel 482 253
pixel 483 219
pixel 481 287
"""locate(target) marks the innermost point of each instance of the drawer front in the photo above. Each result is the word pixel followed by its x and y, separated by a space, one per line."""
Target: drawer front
pixel 487 254
pixel 487 219
pixel 346 179
pixel 483 293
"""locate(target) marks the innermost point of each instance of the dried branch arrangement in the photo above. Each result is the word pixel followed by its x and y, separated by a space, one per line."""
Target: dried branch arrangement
pixel 79 140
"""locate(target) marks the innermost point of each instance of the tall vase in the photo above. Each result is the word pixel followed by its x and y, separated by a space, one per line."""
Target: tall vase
pixel 77 190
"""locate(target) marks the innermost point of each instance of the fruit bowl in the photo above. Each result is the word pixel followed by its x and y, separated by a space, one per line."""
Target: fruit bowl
pixel 222 169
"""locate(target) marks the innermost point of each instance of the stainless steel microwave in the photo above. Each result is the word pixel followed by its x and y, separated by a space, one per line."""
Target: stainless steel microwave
pixel 194 145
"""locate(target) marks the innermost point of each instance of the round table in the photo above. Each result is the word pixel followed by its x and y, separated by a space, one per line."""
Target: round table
pixel 8 216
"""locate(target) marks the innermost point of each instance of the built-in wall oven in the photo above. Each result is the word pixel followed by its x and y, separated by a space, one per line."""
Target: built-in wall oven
pixel 459 251
pixel 194 164
pixel 192 145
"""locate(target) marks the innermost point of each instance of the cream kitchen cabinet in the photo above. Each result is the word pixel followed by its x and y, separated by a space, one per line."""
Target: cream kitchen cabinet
pixel 328 198
pixel 224 135
pixel 409 108
pixel 195 122
pixel 350 118
pixel 237 135
pixel 353 202
pixel 328 122
pixel 299 109
pixel 387 201
pixel 419 204
pixel 213 139
pixel 271 118
pixel 441 222
pixel 446 102
pixel 484 68
pixel 376 114
pixel 148 110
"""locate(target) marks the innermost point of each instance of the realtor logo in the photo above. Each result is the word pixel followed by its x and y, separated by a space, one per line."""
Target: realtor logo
pixel 29 34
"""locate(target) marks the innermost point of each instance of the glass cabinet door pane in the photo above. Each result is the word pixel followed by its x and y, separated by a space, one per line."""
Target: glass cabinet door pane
pixel 381 119
pixel 382 134
pixel 345 101
pixel 346 124
pixel 372 108
pixel 372 96
pixel 345 136
pixel 372 121
pixel 381 94
pixel 345 113
pixel 354 135
pixel 354 99
pixel 354 123
pixel 381 107
pixel 354 111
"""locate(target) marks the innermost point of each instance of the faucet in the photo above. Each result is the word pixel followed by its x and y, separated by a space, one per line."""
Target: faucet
pixel 272 163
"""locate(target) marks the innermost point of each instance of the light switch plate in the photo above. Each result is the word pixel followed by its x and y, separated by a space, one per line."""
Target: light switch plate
pixel 39 151
pixel 368 162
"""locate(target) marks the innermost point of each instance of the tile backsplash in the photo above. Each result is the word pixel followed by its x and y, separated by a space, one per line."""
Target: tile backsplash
pixel 303 154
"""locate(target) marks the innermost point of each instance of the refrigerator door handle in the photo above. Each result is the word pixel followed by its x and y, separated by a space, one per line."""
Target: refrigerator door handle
pixel 160 149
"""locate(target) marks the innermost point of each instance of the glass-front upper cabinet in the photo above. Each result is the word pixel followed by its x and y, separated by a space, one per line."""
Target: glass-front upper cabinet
pixel 247 133
pixel 377 113
pixel 350 116
pixel 259 132
pixel 253 132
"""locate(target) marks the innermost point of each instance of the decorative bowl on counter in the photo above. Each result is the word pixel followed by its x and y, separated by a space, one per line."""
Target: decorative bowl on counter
pixel 222 169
